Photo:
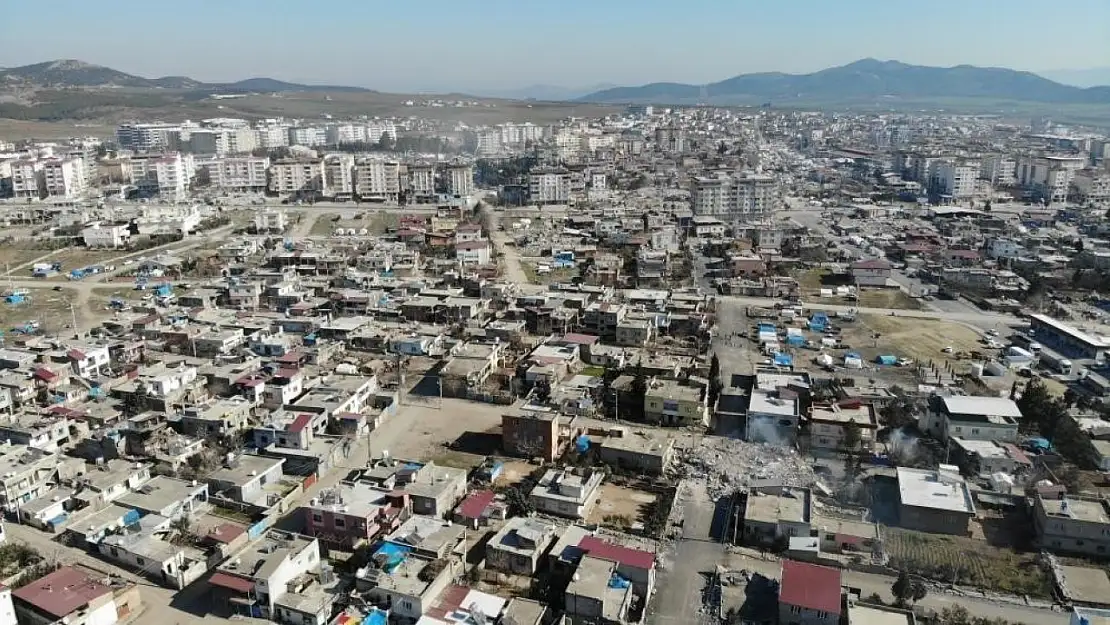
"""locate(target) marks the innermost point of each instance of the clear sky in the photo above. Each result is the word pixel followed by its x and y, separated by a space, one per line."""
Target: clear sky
pixel 437 45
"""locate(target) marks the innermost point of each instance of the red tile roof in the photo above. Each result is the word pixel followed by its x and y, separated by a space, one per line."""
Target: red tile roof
pixel 875 263
pixel 61 592
pixel 474 505
pixel 598 548
pixel 45 374
pixel 810 586
pixel 300 423
pixel 231 582
pixel 225 532
pixel 76 354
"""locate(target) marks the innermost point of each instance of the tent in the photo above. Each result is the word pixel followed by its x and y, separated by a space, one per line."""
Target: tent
pixel 784 360
pixel 886 360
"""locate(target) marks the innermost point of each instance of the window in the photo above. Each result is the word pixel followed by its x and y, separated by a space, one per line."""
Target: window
pixel 262 479
pixel 317 517
pixel 407 605
pixel 340 522
pixel 795 609
pixel 974 430
pixel 140 561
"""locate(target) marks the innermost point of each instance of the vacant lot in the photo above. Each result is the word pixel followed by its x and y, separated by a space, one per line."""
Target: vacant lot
pixel 887 298
pixel 48 307
pixel 459 434
pixel 374 222
pixel 921 340
pixel 619 506
pixel 966 561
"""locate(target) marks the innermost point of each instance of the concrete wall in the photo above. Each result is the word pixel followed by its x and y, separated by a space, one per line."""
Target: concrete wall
pixel 934 521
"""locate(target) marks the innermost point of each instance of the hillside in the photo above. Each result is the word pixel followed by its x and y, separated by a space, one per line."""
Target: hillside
pixel 868 81
pixel 70 73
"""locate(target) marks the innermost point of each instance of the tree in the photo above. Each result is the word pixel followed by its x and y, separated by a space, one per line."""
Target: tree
pixel 543 390
pixel 902 588
pixel 639 390
pixel 518 502
pixel 852 436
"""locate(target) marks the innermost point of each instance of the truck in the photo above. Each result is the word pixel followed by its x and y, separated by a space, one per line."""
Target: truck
pixel 1055 362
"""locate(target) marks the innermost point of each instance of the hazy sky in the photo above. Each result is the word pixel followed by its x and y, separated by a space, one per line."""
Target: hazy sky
pixel 439 45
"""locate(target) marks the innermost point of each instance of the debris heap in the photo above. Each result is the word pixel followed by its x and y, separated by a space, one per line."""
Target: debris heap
pixel 725 464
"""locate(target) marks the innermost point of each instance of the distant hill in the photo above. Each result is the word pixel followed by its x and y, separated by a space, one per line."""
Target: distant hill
pixel 866 81
pixel 70 73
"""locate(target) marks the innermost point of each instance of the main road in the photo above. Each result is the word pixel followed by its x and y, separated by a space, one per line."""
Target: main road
pixel 980 318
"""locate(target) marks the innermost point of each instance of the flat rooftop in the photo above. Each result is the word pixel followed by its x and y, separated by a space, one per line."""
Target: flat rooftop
pixel 247 467
pixel 934 489
pixel 356 499
pixel 774 508
pixel 861 414
pixel 984 449
pixel 985 406
pixel 767 402
pixel 160 492
pixel 1078 509
pixel 1085 584
pixel 869 615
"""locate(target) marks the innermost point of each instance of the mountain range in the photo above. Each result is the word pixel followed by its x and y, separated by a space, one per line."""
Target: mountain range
pixel 867 81
pixel 69 73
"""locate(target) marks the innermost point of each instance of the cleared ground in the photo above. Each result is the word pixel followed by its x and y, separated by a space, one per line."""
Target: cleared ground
pixel 888 298
pixel 461 433
pixel 966 561
pixel 921 340
pixel 619 506
pixel 374 222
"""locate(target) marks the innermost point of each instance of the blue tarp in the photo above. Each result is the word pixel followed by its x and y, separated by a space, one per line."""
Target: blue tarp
pixel 852 355
pixel 886 360
pixel 582 444
pixel 784 360
pixel 766 327
pixel 795 339
pixel 617 581
pixel 391 555
pixel 1040 444
pixel 377 617
pixel 131 517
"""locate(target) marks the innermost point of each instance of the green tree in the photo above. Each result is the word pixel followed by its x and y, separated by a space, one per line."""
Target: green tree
pixel 853 434
pixel 518 502
pixel 902 588
pixel 639 390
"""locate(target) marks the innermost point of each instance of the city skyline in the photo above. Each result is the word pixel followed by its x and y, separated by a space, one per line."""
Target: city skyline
pixel 457 46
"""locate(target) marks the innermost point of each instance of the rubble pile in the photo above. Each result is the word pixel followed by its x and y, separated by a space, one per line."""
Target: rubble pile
pixel 725 464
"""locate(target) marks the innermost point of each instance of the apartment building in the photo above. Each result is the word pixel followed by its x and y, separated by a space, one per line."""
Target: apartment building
pixel 668 403
pixel 63 177
pixel 378 179
pixel 1048 177
pixel 1091 187
pixel 422 182
pixel 308 136
pixel 549 186
pixel 460 180
pixel 1071 524
pixel 271 136
pixel 998 169
pixel 735 198
pixel 298 177
pixel 260 575
pixel 146 137
pixel 27 179
pixel 165 175
pixel 955 179
pixel 345 134
pixel 239 173
pixel 339 175
pixel 270 221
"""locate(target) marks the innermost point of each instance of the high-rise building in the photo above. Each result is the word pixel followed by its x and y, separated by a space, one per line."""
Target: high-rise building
pixel 378 179
pixel 63 177
pixel 339 174
pixel 148 137
pixel 165 175
pixel 549 186
pixel 272 136
pixel 27 178
pixel 460 179
pixel 998 169
pixel 1048 177
pixel 954 178
pixel 298 177
pixel 239 173
pixel 422 182
pixel 735 198
pixel 308 136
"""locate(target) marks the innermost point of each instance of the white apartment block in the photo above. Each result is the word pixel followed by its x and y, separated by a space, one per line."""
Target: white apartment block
pixel 378 129
pixel 339 175
pixel 167 175
pixel 549 186
pixel 735 198
pixel 298 177
pixel 955 178
pixel 63 178
pixel 999 169
pixel 422 181
pixel 27 179
pixel 344 134
pixel 86 151
pixel 460 180
pixel 378 179
pixel 239 173
pixel 168 219
pixel 519 134
pixel 152 137
pixel 1048 177
pixel 308 136
pixel 270 137
pixel 1092 187
pixel 269 220
pixel 489 142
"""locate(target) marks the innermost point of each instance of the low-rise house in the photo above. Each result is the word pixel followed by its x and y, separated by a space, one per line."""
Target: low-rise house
pixel 222 416
pixel 245 479
pixel 88 360
pixel 642 451
pixel 259 576
pixel 167 496
pixel 809 594
pixel 531 434
pixel 49 511
pixel 518 546
pixel 597 595
pixel 775 404
pixel 829 426
pixel 986 458
pixel 874 272
pixel 972 418
pixel 668 403
pixel 26 473
pixel 1071 524
pixel 769 516
pixel 111 480
pixel 141 547
pixel 408 584
pixel 938 502
pixel 77 597
pixel 562 492
pixel 350 513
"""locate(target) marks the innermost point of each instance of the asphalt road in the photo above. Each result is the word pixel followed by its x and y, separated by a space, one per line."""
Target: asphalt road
pixel 977 318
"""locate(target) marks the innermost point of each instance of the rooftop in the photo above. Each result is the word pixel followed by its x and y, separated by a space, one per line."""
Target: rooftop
pixel 62 592
pixel 985 406
pixel 1078 509
pixel 810 586
pixel 246 468
pixel 160 492
pixel 875 615
pixel 942 490
pixel 259 559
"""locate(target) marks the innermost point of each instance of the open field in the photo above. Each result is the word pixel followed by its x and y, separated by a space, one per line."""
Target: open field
pixel 966 561
pixel 921 340
pixel 50 308
pixel 461 433
pixel 887 298
pixel 50 113
pixel 553 276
